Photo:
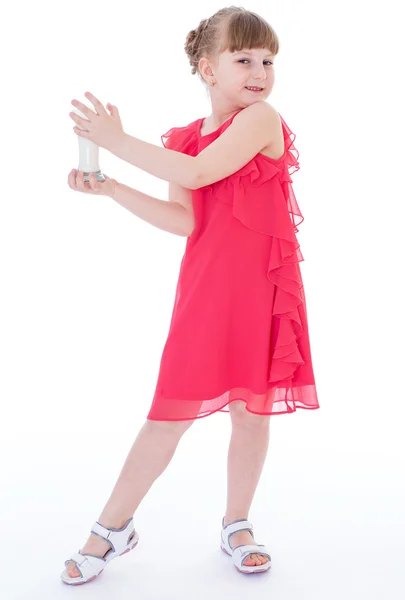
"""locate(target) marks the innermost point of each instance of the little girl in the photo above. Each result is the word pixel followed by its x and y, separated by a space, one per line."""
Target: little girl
pixel 238 339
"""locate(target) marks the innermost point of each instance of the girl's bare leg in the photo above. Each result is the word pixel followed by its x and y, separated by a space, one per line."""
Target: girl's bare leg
pixel 148 458
pixel 246 456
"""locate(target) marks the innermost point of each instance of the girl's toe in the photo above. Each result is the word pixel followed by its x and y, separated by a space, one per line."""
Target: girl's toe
pixel 255 560
pixel 72 571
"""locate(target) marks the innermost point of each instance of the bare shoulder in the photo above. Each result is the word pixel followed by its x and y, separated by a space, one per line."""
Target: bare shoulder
pixel 266 116
pixel 260 112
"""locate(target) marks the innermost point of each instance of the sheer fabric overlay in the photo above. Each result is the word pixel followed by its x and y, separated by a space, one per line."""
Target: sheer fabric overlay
pixel 267 366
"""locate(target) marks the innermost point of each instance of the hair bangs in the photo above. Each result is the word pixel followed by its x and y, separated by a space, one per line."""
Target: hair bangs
pixel 246 31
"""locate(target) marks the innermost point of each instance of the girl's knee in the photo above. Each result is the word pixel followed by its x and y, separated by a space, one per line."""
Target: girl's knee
pixel 241 416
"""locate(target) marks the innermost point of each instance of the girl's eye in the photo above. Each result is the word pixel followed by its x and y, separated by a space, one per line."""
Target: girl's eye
pixel 267 61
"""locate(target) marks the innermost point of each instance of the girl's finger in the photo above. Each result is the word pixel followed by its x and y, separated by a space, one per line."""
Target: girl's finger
pixel 93 181
pixel 80 181
pixel 114 111
pixel 71 179
pixel 75 178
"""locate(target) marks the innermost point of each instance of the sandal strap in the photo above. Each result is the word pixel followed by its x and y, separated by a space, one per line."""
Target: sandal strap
pixel 241 552
pixel 238 526
pixel 231 528
pixel 86 564
pixel 117 538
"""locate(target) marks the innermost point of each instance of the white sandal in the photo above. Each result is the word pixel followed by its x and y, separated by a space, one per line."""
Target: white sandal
pixel 239 553
pixel 89 566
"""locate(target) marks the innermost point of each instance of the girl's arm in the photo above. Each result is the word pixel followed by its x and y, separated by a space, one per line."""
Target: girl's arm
pixel 163 163
pixel 169 216
pixel 257 125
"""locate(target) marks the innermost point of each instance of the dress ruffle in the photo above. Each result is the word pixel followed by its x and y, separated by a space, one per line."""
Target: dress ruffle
pixel 181 139
pixel 267 204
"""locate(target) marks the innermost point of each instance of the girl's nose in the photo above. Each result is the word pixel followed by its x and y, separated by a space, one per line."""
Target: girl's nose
pixel 260 72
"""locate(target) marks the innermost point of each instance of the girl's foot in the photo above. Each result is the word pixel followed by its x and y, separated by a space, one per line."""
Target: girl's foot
pixel 245 537
pixel 95 545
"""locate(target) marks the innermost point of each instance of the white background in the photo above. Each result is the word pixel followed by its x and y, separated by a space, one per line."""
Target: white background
pixel 87 292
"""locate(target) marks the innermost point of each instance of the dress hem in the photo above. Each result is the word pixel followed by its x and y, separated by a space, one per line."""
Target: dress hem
pixel 201 416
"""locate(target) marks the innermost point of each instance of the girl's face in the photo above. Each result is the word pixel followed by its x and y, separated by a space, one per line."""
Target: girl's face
pixel 240 69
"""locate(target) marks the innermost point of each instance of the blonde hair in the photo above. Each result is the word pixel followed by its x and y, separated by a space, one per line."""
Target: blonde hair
pixel 231 28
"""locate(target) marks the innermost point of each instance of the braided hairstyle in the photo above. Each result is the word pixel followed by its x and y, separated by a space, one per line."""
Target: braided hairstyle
pixel 231 28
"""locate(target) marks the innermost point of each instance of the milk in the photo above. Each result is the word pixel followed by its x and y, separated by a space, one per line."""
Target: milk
pixel 88 154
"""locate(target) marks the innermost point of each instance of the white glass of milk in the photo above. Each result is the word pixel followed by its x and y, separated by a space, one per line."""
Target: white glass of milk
pixel 88 154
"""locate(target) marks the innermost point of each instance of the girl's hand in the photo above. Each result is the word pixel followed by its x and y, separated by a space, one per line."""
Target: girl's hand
pixel 101 128
pixel 99 188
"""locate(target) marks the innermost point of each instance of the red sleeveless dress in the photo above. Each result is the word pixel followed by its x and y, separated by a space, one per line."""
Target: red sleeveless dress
pixel 239 327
